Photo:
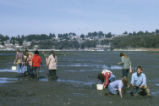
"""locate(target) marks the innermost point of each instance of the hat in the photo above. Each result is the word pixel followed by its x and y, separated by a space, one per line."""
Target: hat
pixel 106 70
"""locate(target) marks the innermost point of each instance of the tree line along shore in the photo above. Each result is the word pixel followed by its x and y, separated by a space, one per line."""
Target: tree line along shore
pixel 135 41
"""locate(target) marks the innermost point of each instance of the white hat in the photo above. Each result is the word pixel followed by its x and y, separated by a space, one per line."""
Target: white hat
pixel 106 70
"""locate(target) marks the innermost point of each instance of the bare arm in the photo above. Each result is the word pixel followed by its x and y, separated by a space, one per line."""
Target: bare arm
pixel 122 61
pixel 120 92
pixel 106 80
pixel 48 61
pixel 130 69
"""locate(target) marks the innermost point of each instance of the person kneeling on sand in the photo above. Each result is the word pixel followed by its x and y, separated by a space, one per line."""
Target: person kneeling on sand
pixel 116 86
pixel 106 76
pixel 138 83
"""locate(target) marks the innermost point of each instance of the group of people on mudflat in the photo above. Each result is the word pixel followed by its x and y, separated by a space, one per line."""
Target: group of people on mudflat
pixel 29 63
pixel 137 84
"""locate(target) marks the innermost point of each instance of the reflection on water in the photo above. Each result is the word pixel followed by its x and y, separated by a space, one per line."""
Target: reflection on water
pixel 155 93
pixel 77 82
pixel 78 94
pixel 7 80
pixel 44 79
pixel 112 67
pixel 80 65
pixel 115 67
pixel 10 70
pixel 7 54
pixel 7 70
pixel 157 84
pixel 82 70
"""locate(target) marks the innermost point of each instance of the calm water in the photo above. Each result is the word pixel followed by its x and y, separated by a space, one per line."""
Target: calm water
pixel 80 69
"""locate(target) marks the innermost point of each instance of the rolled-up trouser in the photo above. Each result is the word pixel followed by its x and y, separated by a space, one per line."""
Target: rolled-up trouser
pixel 137 90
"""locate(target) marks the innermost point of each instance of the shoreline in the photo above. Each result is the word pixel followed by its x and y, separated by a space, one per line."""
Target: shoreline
pixel 100 50
pixel 138 49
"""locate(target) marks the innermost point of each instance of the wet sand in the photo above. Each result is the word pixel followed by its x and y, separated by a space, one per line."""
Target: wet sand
pixel 31 92
pixel 76 81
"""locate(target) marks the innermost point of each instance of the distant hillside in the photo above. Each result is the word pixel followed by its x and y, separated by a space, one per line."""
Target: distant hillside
pixel 137 40
pixel 97 40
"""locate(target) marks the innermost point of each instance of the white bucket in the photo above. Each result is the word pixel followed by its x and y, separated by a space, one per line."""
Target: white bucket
pixel 14 68
pixel 99 86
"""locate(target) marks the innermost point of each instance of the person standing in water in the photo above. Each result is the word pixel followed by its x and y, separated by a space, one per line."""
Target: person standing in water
pixel 19 62
pixel 126 63
pixel 29 64
pixel 36 61
pixel 51 63
pixel 25 62
pixel 45 56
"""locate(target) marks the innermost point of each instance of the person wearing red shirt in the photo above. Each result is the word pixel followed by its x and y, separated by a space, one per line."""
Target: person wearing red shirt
pixel 36 61
pixel 106 76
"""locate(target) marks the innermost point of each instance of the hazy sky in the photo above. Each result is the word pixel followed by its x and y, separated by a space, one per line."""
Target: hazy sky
pixel 79 16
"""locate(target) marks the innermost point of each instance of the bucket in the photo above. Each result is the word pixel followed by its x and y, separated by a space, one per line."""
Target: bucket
pixel 14 68
pixel 99 86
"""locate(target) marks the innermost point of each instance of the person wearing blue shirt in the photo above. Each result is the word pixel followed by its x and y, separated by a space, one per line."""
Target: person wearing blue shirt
pixel 116 86
pixel 138 83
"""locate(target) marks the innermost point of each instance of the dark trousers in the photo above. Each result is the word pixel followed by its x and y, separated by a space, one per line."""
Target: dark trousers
pixel 142 91
pixel 125 72
pixel 30 70
pixel 52 74
pixel 36 71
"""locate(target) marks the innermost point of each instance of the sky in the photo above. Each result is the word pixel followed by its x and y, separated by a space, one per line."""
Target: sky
pixel 23 17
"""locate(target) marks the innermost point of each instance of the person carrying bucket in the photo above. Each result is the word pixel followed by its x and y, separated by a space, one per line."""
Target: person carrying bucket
pixel 106 76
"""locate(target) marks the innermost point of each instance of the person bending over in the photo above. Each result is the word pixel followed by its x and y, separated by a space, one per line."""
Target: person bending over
pixel 106 76
pixel 116 86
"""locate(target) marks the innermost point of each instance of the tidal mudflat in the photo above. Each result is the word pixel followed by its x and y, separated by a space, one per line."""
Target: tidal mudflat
pixel 75 85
